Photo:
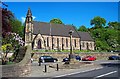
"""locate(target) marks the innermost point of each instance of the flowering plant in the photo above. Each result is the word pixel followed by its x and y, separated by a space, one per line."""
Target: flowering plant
pixel 11 43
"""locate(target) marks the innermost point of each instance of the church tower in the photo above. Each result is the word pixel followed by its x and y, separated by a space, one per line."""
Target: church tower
pixel 28 28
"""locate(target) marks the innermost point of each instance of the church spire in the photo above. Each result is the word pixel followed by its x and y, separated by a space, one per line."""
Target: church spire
pixel 29 16
pixel 29 13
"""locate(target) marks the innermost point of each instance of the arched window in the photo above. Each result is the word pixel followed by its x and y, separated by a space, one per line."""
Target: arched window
pixel 87 46
pixel 75 42
pixel 62 44
pixel 52 42
pixel 66 42
pixel 83 44
pixel 47 41
pixel 91 45
pixel 57 42
pixel 39 44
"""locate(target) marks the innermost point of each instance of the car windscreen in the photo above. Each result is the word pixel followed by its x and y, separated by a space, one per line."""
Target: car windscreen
pixel 48 57
pixel 45 57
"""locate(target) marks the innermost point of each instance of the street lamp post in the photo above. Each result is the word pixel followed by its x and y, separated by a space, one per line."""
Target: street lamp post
pixel 71 48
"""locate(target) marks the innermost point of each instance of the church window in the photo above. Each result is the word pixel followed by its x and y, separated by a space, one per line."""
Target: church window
pixel 62 44
pixel 91 45
pixel 87 44
pixel 75 42
pixel 47 41
pixel 57 42
pixel 39 44
pixel 83 44
pixel 52 42
pixel 66 42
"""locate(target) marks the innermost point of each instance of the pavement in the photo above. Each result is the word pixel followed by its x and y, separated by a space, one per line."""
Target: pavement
pixel 39 71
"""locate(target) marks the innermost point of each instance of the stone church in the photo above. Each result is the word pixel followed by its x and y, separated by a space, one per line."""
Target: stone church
pixel 50 36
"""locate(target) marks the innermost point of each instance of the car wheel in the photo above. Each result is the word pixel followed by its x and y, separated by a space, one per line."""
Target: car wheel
pixel 54 61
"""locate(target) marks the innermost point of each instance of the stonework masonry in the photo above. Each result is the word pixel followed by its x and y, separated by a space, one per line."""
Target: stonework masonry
pixel 61 55
pixel 55 36
pixel 52 43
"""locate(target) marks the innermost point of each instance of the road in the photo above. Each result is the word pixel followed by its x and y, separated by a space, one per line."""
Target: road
pixel 110 70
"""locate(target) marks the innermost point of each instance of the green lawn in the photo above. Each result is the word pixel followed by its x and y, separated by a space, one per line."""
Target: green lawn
pixel 65 51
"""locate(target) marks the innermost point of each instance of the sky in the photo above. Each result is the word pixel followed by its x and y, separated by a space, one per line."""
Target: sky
pixel 76 13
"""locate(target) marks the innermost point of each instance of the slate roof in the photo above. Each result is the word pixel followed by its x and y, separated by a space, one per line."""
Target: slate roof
pixel 59 30
pixel 85 36
pixel 53 29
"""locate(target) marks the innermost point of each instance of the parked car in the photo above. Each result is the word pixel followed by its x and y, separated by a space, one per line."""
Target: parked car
pixel 65 59
pixel 76 57
pixel 89 58
pixel 114 57
pixel 44 59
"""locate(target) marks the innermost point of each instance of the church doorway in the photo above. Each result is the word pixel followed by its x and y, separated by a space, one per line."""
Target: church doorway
pixel 39 44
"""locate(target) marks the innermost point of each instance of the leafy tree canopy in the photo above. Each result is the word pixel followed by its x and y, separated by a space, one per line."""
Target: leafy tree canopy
pixel 56 21
pixel 83 28
pixel 114 25
pixel 7 16
pixel 11 29
pixel 106 38
pixel 17 27
pixel 98 22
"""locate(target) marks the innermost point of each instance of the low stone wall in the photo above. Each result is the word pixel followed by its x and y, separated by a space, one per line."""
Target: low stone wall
pixel 20 69
pixel 99 55
pixel 15 70
pixel 63 55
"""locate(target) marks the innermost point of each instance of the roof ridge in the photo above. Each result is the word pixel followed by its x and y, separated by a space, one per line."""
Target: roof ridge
pixel 52 23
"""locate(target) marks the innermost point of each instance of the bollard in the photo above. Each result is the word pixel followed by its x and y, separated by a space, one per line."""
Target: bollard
pixel 45 68
pixel 39 64
pixel 57 67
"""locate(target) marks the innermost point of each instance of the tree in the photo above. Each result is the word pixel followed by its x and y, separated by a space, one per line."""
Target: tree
pixel 83 28
pixel 114 25
pixel 106 38
pixel 17 27
pixel 98 22
pixel 102 45
pixel 56 21
pixel 6 49
pixel 112 39
pixel 7 16
pixel 10 39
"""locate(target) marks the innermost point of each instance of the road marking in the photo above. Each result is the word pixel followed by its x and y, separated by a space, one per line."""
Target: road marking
pixel 78 72
pixel 106 74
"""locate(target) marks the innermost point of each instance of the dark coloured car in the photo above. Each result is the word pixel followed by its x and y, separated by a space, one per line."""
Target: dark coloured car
pixel 89 58
pixel 65 59
pixel 114 58
pixel 76 57
pixel 44 59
